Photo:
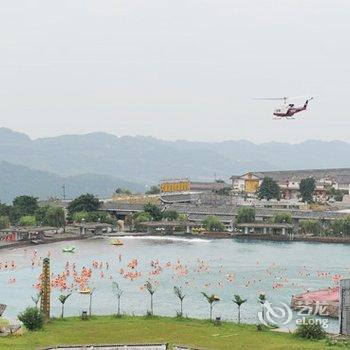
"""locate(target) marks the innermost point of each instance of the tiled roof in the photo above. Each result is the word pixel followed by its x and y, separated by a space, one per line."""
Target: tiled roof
pixel 339 175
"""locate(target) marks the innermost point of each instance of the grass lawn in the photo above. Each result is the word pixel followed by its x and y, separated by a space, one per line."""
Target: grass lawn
pixel 198 333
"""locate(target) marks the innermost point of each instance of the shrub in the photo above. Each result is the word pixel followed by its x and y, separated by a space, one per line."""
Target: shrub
pixel 282 218
pixel 93 216
pixel 32 318
pixel 310 329
pixel 341 226
pixel 141 217
pixel 171 215
pixel 261 328
pixel 149 314
pixel 311 226
pixel 182 217
pixel 212 223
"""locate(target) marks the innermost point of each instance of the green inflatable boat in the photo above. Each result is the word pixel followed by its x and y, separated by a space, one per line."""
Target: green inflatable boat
pixel 68 250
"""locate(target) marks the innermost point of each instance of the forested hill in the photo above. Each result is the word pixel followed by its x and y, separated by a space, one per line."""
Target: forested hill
pixel 145 160
pixel 17 180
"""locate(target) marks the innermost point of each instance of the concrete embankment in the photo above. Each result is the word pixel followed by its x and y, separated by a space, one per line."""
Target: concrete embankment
pixel 293 238
pixel 45 240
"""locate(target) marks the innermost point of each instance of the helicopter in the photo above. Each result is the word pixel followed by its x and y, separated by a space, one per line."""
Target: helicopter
pixel 287 110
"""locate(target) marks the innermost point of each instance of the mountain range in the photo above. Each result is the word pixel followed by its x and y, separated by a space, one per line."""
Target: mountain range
pixel 100 162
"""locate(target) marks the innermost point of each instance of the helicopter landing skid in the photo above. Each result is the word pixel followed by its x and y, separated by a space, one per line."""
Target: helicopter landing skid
pixel 280 118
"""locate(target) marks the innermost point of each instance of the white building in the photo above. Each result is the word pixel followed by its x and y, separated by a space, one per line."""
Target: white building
pixel 289 181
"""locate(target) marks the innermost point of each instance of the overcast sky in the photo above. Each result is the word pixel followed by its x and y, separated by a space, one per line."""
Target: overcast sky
pixel 174 69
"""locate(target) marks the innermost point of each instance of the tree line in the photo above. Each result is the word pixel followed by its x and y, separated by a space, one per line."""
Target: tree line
pixel 269 189
pixel 335 227
pixel 25 211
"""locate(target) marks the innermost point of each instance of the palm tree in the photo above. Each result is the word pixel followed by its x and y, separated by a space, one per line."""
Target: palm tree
pixel 151 290
pixel 262 300
pixel 179 293
pixel 90 301
pixel 36 299
pixel 211 299
pixel 239 302
pixel 118 292
pixel 63 298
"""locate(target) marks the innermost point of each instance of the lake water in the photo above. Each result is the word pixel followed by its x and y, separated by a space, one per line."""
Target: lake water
pixel 223 267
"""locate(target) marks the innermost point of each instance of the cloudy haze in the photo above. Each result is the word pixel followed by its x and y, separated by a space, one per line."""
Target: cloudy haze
pixel 180 69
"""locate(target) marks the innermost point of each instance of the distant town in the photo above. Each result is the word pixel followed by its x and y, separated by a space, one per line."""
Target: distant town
pixel 297 204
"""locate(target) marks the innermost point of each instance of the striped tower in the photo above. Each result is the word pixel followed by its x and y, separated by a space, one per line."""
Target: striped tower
pixel 45 290
pixel 344 306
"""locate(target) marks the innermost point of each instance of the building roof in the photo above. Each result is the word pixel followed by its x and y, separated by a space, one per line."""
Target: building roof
pixel 265 224
pixel 338 175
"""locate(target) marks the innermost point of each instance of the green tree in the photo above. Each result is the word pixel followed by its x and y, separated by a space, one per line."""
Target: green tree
pixel 86 202
pixel 171 215
pixel 179 293
pixel 55 216
pixel 245 215
pixel 337 195
pixel 63 298
pixel 225 191
pixel 311 226
pixel 211 299
pixel 212 223
pixel 153 190
pixel 23 206
pixel 307 188
pixel 4 222
pixel 269 189
pixel 239 302
pixel 123 191
pixel 40 214
pixel 5 210
pixel 282 218
pixel 341 226
pixel 27 221
pixel 154 211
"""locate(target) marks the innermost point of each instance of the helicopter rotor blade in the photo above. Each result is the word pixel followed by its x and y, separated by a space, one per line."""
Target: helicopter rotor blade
pixel 297 97
pixel 284 98
pixel 270 98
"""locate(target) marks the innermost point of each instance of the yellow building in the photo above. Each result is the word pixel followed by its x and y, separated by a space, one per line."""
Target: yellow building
pixel 251 184
pixel 168 186
pixel 247 183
